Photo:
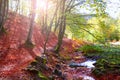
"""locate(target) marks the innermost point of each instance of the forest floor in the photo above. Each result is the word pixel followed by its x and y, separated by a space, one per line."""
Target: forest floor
pixel 76 72
pixel 15 57
pixel 69 73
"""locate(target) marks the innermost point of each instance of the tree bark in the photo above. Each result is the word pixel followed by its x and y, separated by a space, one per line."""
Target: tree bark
pixel 50 27
pixel 61 27
pixel 29 38
pixel 4 6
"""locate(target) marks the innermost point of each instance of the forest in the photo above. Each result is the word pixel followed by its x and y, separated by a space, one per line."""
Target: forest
pixel 59 39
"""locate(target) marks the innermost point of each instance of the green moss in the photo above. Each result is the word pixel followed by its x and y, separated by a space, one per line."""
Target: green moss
pixel 41 60
pixel 65 56
pixel 37 67
pixel 108 58
pixel 109 61
pixel 42 76
pixel 103 66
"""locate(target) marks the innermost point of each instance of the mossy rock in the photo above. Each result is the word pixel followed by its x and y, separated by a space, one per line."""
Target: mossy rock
pixel 42 76
pixel 37 67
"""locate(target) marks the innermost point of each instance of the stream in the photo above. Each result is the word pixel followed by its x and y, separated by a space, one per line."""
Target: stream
pixel 87 64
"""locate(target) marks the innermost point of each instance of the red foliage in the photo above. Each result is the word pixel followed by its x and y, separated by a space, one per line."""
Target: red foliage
pixel 13 56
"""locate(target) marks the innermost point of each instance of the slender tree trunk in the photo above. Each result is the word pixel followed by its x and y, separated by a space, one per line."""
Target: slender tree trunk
pixel 50 27
pixel 57 21
pixel 61 27
pixel 61 35
pixel 42 21
pixel 29 38
pixel 46 16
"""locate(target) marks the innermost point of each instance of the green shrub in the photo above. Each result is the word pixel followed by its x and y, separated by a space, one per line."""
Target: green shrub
pixel 108 58
pixel 90 49
pixel 114 36
pixel 106 66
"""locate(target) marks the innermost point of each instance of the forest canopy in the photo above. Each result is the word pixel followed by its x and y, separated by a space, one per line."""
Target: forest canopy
pixel 87 20
pixel 88 26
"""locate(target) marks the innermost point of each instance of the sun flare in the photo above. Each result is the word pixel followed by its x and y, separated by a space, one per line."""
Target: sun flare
pixel 41 4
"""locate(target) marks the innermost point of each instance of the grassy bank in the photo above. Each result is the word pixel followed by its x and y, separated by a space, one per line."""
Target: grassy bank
pixel 108 58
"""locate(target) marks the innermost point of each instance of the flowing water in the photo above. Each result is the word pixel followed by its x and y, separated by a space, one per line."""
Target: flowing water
pixel 88 64
pixel 87 77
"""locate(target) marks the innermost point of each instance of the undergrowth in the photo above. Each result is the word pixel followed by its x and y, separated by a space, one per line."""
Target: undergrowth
pixel 108 58
pixel 37 67
pixel 90 48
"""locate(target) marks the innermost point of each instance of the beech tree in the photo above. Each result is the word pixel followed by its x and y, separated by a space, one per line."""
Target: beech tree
pixel 65 8
pixel 33 9
pixel 62 25
pixel 49 27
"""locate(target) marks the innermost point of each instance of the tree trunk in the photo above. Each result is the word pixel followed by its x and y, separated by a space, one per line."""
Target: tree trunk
pixel 4 5
pixel 62 26
pixel 29 38
pixel 50 27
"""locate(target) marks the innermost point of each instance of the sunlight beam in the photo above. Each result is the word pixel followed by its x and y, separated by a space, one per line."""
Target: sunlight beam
pixel 41 4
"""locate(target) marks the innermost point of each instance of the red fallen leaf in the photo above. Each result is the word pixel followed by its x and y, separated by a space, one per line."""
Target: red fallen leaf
pixel 17 28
